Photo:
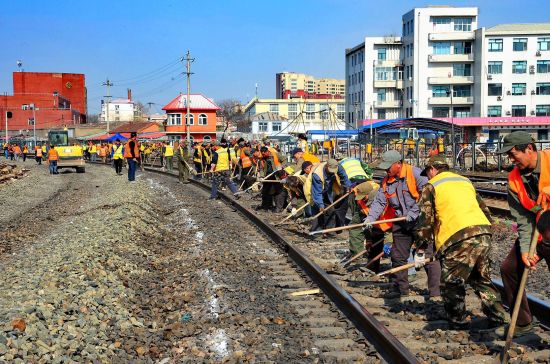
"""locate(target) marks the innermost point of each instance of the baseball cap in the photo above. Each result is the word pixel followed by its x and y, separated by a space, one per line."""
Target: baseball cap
pixel 362 190
pixel 388 158
pixel 435 160
pixel 332 165
pixel 513 139
pixel 297 150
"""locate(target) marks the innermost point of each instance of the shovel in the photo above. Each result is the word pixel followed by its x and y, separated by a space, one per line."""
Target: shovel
pixel 349 227
pixel 326 208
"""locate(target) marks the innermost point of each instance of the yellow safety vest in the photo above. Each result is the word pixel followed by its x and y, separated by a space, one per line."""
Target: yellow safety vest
pixel 198 158
pixel 353 168
pixel 223 160
pixel 93 149
pixel 169 151
pixel 117 152
pixel 142 148
pixel 456 206
pixel 233 155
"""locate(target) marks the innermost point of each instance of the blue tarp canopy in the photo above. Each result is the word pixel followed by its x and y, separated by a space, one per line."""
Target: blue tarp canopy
pixel 341 133
pixel 420 131
pixel 115 137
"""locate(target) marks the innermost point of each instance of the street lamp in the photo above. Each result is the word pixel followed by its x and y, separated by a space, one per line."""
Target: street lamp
pixel 450 92
pixel 34 108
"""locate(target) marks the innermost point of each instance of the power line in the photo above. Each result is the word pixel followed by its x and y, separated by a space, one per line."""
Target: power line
pixel 162 68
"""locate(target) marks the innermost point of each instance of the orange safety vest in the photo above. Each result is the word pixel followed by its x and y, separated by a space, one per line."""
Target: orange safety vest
pixel 245 160
pixel 516 185
pixel 128 153
pixel 38 152
pixel 389 212
pixel 53 155
pixel 275 156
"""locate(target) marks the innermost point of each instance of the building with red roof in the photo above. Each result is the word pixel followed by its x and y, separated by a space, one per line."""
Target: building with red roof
pixel 202 120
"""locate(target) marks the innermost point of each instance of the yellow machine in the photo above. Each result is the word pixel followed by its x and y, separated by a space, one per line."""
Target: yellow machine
pixel 70 156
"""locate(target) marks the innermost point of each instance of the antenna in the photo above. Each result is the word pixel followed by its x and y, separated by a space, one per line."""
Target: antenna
pixel 20 65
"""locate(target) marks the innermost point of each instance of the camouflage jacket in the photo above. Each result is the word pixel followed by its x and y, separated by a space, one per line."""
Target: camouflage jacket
pixel 425 230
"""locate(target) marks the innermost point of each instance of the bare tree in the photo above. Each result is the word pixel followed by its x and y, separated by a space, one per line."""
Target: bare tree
pixel 92 118
pixel 231 111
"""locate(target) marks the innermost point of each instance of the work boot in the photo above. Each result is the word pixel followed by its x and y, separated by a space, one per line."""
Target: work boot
pixel 459 325
pixel 502 331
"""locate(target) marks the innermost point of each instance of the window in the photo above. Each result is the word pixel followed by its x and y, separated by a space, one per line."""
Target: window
pixel 30 121
pixel 117 119
pixel 463 24
pixel 25 107
pixel 310 111
pixel 382 54
pixel 384 74
pixel 440 112
pixel 174 119
pixel 190 120
pixel 274 108
pixel 440 91
pixel 543 110
pixel 495 45
pixel 203 119
pixel 543 44
pixel 462 47
pixel 494 110
pixel 494 89
pixel 441 20
pixel 324 111
pixel 494 67
pixel 461 112
pixel 519 110
pixel 381 113
pixel 542 134
pixel 520 44
pixel 117 107
pixel 442 47
pixel 519 88
pixel 381 95
pixel 543 66
pixel 292 111
pixel 462 91
pixel 262 126
pixel 276 126
pixel 519 66
pixel 340 111
pixel 462 69
pixel 543 88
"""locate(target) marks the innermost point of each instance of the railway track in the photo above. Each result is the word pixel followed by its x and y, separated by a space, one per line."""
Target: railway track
pixel 356 295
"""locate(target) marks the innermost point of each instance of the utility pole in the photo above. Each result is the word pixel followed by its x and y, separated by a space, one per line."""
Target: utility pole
pixel 34 108
pixel 188 61
pixel 108 84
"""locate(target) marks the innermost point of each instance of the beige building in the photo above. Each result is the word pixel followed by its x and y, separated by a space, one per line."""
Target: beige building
pixel 298 85
pixel 302 114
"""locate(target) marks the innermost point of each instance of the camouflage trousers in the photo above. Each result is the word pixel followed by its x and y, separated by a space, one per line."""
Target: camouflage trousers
pixel 468 262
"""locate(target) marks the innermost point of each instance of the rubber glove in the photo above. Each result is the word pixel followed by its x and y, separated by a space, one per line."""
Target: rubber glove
pixel 419 259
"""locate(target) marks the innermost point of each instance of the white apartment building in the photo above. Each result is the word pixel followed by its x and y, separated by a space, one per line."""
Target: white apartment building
pixel 302 114
pixel 269 124
pixel 513 64
pixel 119 110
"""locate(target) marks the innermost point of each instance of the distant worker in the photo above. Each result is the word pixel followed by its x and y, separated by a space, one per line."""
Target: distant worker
pixel 183 168
pixel 25 152
pixel 131 153
pixel 168 152
pixel 118 156
pixel 455 218
pixel 221 166
pixel 53 157
pixel 300 157
pixel 38 154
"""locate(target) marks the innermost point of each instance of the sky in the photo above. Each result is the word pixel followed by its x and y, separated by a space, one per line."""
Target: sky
pixel 236 44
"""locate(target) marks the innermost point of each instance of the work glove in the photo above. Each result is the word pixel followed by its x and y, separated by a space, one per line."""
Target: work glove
pixel 387 249
pixel 410 218
pixel 293 211
pixel 419 259
pixel 367 225
pixel 530 262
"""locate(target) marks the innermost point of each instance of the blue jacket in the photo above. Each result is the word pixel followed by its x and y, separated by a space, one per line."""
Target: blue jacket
pixel 318 189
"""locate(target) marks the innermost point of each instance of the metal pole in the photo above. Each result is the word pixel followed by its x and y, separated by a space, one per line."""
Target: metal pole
pixel 108 84
pixel 34 123
pixel 6 115
pixel 188 60
pixel 453 127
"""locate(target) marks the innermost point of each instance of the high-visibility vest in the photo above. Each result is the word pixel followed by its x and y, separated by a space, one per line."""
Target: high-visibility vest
pixel 117 151
pixel 516 184
pixel 93 149
pixel 456 206
pixel 25 149
pixel 245 160
pixel 128 152
pixel 198 154
pixel 319 170
pixel 141 148
pixel 43 149
pixel 353 168
pixel 53 155
pixel 233 155
pixel 275 155
pixel 308 157
pixel 440 146
pixel 223 160
pixel 169 151
pixel 39 152
pixel 302 144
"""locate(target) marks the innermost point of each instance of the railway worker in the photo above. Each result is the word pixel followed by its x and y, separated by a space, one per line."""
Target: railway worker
pixel 273 194
pixel 25 152
pixel 526 182
pixel 53 157
pixel 147 153
pixel 371 239
pixel 398 197
pixel 221 165
pixel 245 160
pixel 6 152
pixel 183 169
pixel 455 217
pixel 17 152
pixel 355 170
pixel 131 154
pixel 118 156
pixel 328 183
pixel 300 157
pixel 302 144
pixel 93 152
pixel 198 159
pixel 168 153
pixel 38 154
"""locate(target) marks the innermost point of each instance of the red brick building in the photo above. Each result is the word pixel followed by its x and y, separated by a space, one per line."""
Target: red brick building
pixel 59 99
pixel 202 124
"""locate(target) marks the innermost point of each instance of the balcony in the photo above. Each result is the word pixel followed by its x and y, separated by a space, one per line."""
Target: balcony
pixel 451 57
pixel 454 80
pixel 388 84
pixel 447 100
pixel 388 104
pixel 387 63
pixel 452 36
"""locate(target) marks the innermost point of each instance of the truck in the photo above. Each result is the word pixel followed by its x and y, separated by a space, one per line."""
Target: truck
pixel 70 154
